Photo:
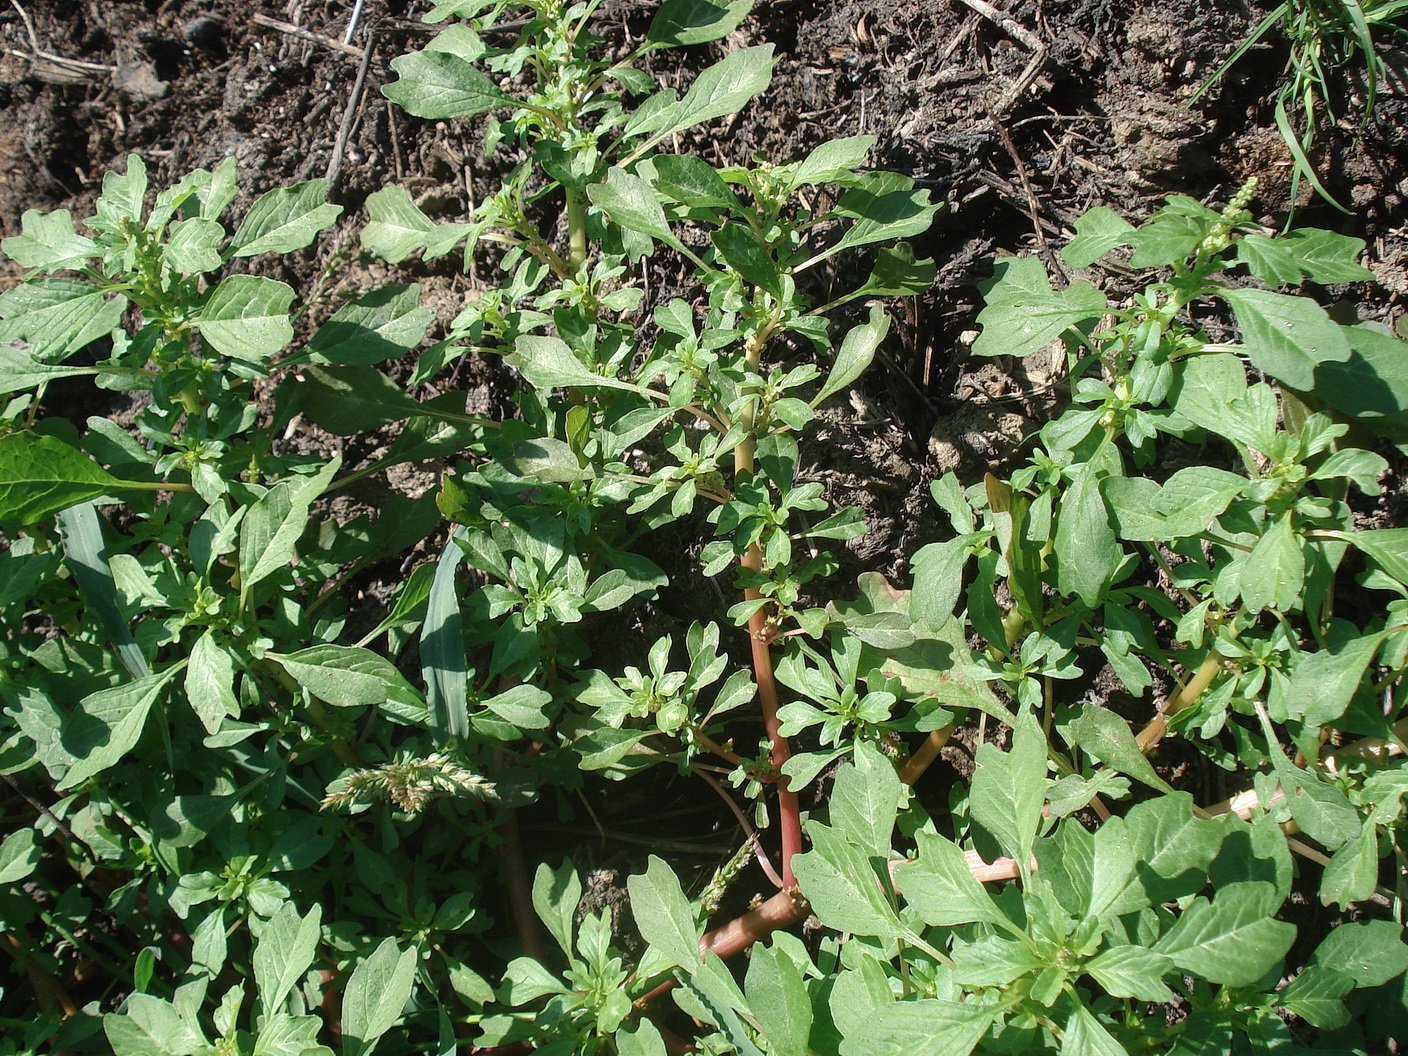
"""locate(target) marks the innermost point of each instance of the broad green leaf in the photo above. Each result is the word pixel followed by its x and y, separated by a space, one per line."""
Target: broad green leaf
pixel 1317 996
pixel 834 161
pixel 285 219
pixel 19 371
pixel 1112 868
pixel 1098 231
pixel 1386 547
pixel 210 683
pixel 346 677
pixel 19 855
pixel 1326 256
pixel 375 995
pixel 1172 843
pixel 1268 259
pixel 1353 872
pixel 123 198
pixel 628 200
pixel 548 363
pixel 41 475
pixel 287 1035
pixel 194 246
pixel 396 227
pixel 896 274
pixel 442 657
pixel 678 23
pixel 866 799
pixel 1131 971
pixel 55 317
pixel 1206 392
pixel 376 327
pixel 107 725
pixel 642 1040
pixel 87 557
pixel 1086 549
pixel 348 401
pixel 720 91
pixel 271 529
pixel 556 893
pixel 1324 682
pixel 663 914
pixel 938 579
pixel 1230 940
pixel 925 1027
pixel 857 349
pixel 777 996
pixel 440 84
pixel 1274 573
pixel 1024 314
pixel 49 242
pixel 547 458
pixel 1086 1036
pixel 284 952
pixel 994 960
pixel 150 1026
pixel 885 207
pixel 745 253
pixel 842 887
pixel 1009 788
pixel 941 888
pixel 1105 736
pixel 1286 336
pixel 689 181
pixel 246 317
pixel 1368 952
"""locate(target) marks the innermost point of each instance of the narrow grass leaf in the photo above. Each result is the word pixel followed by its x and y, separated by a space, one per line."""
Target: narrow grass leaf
pixel 442 656
pixel 87 556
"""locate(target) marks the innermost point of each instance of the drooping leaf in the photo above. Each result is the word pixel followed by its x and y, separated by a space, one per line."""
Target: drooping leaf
pixel 628 200
pixel 55 317
pixel 1024 314
pixel 857 349
pixel 679 23
pixel 442 658
pixel 87 557
pixel 108 724
pixel 48 241
pixel 556 894
pixel 41 475
pixel 376 327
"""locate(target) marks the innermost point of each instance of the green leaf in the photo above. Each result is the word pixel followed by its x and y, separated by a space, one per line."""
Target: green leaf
pixel 1024 314
pixel 643 1040
pixel 896 274
pixel 941 888
pixel 938 579
pixel 284 952
pixel 866 799
pixel 857 349
pixel 1326 256
pixel 1098 231
pixel 440 84
pixel 1174 846
pixel 1086 1036
pixel 1274 573
pixel 745 253
pixel 1131 971
pixel 663 914
pixel 210 683
pixel 375 995
pixel 246 317
pixel 1231 940
pixel 925 1027
pixel 41 475
pixel 1317 996
pixel 19 855
pixel 1268 259
pixel 777 997
pixel 688 180
pixel 628 200
pixel 55 317
pixel 1287 337
pixel 547 458
pixel 1386 547
pixel 150 1026
pixel 556 893
pixel 1368 952
pixel 547 363
pixel 834 161
pixel 442 657
pixel 679 23
pixel 1009 789
pixel 720 91
pixel 1106 737
pixel 885 207
pixel 1086 548
pixel 271 529
pixel 19 370
pixel 376 327
pixel 194 246
pixel 123 197
pixel 86 553
pixel 107 725
pixel 285 219
pixel 1353 872
pixel 396 227
pixel 346 677
pixel 841 886
pixel 49 242
pixel 1324 683
pixel 347 401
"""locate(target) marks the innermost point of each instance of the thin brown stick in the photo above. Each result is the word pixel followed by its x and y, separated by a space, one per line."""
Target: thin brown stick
pixel 306 34
pixel 349 115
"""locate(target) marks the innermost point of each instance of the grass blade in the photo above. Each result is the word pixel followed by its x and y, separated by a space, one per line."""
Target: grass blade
pixel 442 648
pixel 87 556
